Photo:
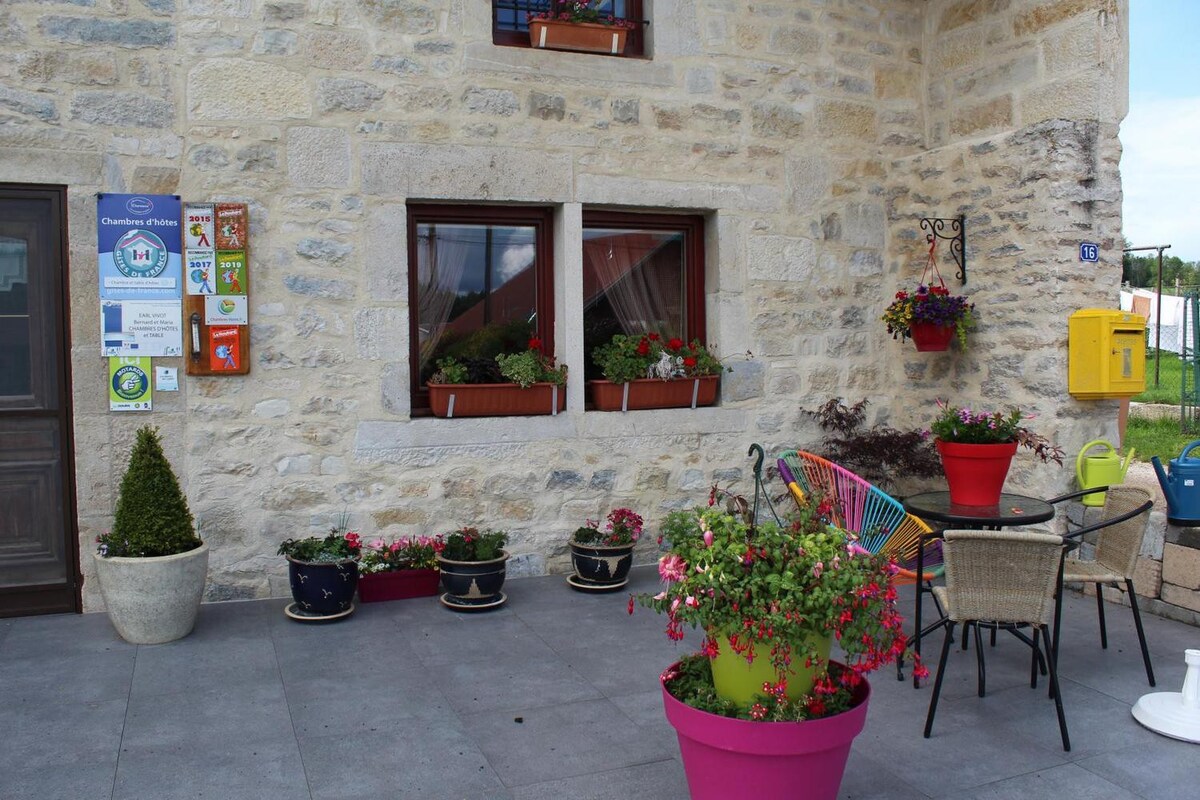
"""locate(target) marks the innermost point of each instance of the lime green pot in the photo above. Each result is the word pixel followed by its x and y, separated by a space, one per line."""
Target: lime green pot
pixel 739 681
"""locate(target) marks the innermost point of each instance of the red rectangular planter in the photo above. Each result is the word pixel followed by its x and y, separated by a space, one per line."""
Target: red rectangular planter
pixel 398 585
pixel 495 399
pixel 653 393
pixel 586 37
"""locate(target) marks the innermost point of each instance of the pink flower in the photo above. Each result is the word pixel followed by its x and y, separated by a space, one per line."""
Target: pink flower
pixel 708 538
pixel 818 568
pixel 672 568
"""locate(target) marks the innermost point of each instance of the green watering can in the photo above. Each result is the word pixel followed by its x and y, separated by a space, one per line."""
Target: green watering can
pixel 1103 469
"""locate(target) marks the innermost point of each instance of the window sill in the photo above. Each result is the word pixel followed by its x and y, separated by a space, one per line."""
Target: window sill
pixel 536 63
pixel 391 442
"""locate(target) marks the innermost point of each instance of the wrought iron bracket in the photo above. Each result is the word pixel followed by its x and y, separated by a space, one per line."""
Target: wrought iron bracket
pixel 935 228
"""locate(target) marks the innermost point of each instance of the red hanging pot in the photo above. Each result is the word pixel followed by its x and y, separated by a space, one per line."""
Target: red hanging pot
pixel 931 338
pixel 975 472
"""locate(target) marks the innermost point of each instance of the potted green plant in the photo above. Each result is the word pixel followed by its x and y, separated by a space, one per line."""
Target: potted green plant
pixel 323 574
pixel 762 707
pixel 473 569
pixel 400 569
pixel 601 558
pixel 931 317
pixel 648 371
pixel 151 565
pixel 977 449
pixel 511 384
pixel 578 25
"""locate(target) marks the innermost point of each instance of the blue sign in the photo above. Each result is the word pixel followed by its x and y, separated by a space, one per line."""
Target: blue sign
pixel 140 246
pixel 1089 252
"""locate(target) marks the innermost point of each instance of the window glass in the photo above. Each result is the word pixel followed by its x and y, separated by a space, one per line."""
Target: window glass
pixel 640 279
pixel 15 366
pixel 476 291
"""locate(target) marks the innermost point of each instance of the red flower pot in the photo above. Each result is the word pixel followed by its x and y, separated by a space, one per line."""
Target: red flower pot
pixel 975 472
pixel 724 757
pixel 399 584
pixel 931 338
pixel 654 393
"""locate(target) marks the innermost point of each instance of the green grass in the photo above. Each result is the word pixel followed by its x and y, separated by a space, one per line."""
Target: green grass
pixel 1155 437
pixel 1169 377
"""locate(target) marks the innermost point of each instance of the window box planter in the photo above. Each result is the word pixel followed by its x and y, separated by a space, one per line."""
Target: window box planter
pixel 583 37
pixel 400 584
pixel 495 399
pixel 653 393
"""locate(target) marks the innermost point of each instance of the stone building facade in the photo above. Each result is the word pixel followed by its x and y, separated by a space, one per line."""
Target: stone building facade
pixel 811 135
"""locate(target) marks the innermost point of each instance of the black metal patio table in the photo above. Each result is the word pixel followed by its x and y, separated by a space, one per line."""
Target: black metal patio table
pixel 1012 510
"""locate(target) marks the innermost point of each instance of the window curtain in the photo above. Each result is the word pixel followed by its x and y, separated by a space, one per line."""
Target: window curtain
pixel 639 299
pixel 440 265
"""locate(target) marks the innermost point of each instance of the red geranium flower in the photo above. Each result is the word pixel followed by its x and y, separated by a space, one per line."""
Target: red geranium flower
pixel 675 344
pixel 652 337
pixel 643 348
pixel 689 361
pixel 535 343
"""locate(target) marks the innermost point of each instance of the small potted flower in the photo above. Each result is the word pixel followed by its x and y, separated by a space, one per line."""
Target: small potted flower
pixel 931 317
pixel 977 449
pixel 511 384
pixel 578 25
pixel 323 573
pixel 602 558
pixel 762 703
pixel 397 570
pixel 650 371
pixel 473 568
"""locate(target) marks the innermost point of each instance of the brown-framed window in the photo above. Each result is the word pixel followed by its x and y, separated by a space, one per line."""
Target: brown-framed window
pixel 642 273
pixel 481 282
pixel 509 26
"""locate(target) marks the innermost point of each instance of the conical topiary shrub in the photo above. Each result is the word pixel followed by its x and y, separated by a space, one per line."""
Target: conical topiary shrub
pixel 152 517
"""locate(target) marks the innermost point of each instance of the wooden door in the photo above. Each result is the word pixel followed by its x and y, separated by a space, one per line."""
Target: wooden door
pixel 39 559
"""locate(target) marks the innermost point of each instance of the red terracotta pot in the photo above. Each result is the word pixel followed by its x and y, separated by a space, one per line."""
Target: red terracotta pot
pixel 398 584
pixel 724 757
pixel 931 338
pixel 586 37
pixel 495 399
pixel 653 393
pixel 975 472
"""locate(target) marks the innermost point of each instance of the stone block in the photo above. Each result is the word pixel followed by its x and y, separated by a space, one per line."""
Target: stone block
pixel 236 88
pixel 692 480
pixel 31 104
pixel 626 111
pixel 294 465
pixel 1044 15
pixel 995 114
pixel 564 479
pixel 271 409
pixel 496 102
pixel 1082 96
pixel 1155 537
pixel 746 380
pixel 525 565
pixel 132 33
pixel 1178 596
pixel 155 180
pixel 274 42
pixel 603 480
pixel 122 109
pixel 1183 536
pixel 318 157
pixel 386 232
pixel 547 106
pixel 335 49
pixel 319 287
pixel 1181 566
pixel 347 94
pixel 968 12
pixel 781 258
pixel 777 119
pixel 397 65
pixel 326 251
pixel 844 121
pixel 379 332
pixel 457 171
pixel 401 16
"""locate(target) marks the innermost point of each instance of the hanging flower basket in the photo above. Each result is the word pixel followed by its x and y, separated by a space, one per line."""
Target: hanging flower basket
pixel 930 338
pixel 582 37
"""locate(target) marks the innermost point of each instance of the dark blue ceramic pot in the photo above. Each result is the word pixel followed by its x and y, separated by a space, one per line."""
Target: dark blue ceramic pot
pixel 323 588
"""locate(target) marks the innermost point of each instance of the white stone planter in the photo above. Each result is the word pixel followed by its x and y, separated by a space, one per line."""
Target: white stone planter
pixel 153 600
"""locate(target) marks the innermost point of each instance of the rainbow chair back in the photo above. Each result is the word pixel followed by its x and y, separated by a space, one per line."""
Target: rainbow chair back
pixel 877 519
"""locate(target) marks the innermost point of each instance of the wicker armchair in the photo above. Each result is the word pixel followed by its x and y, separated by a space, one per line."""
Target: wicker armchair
pixel 1122 528
pixel 1005 579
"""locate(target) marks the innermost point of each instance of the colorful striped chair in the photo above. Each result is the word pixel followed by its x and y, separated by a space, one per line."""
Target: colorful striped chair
pixel 878 520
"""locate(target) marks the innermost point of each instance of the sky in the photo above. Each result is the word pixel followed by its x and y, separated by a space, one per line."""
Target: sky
pixel 1160 167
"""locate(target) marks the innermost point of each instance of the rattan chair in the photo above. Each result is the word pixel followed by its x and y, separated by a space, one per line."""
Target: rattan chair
pixel 1122 527
pixel 1005 579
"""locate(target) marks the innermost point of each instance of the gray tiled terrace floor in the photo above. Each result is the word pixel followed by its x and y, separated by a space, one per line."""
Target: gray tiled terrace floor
pixel 553 696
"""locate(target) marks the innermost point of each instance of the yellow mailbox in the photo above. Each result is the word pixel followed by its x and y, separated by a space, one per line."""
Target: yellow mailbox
pixel 1106 354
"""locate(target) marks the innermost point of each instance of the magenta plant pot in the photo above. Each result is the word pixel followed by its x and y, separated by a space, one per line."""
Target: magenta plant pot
pixel 724 757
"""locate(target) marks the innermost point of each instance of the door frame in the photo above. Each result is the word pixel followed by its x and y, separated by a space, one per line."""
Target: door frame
pixel 57 195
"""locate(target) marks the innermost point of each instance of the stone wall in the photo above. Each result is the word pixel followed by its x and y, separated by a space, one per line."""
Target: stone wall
pixel 811 136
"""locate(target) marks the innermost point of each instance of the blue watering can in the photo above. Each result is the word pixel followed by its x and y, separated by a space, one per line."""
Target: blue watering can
pixel 1181 487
